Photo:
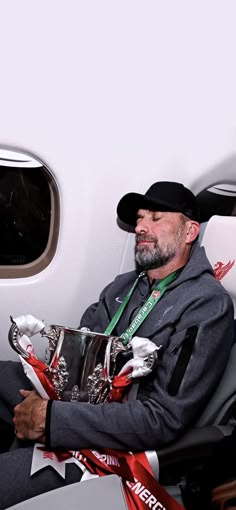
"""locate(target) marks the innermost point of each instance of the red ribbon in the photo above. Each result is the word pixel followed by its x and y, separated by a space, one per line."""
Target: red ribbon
pixel 120 385
pixel 42 372
pixel 141 489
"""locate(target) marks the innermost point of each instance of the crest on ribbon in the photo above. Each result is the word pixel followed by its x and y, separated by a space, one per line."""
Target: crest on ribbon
pixel 155 294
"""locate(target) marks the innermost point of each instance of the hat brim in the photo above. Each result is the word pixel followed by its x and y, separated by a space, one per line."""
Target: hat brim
pixel 129 205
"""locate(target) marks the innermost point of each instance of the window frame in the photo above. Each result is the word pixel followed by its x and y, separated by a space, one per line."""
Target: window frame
pixel 39 264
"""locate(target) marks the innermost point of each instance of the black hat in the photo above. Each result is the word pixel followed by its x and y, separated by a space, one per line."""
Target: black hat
pixel 161 196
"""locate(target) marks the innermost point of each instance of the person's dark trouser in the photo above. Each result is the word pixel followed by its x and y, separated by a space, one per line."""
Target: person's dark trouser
pixel 16 484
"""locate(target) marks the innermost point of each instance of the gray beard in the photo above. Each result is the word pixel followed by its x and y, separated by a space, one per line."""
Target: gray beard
pixel 152 259
pixel 156 257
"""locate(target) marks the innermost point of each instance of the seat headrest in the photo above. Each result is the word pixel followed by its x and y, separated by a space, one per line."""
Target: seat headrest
pixel 219 240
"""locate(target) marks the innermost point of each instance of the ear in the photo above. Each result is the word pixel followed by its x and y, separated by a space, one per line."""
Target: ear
pixel 193 229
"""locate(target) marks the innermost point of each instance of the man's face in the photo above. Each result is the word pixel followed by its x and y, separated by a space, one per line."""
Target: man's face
pixel 160 237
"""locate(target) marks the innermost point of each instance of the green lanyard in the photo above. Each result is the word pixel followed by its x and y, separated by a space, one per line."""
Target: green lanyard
pixel 155 296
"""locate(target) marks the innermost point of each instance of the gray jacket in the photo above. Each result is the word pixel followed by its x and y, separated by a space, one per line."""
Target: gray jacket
pixel 193 322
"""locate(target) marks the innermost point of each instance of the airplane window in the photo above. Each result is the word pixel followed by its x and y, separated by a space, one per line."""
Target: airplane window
pixel 29 215
pixel 219 199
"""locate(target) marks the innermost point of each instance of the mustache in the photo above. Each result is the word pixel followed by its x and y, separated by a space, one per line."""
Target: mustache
pixel 145 237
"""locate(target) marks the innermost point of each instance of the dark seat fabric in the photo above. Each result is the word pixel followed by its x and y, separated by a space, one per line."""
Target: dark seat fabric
pixel 7 436
pixel 218 471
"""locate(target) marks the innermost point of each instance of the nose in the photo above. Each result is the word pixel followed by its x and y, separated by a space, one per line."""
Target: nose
pixel 142 226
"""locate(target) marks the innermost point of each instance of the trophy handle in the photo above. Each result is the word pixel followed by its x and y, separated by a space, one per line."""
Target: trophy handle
pixel 13 337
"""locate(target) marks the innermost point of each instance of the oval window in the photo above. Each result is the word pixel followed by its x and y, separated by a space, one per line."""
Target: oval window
pixel 29 215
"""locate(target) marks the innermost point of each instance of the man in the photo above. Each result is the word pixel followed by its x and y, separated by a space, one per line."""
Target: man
pixel 191 320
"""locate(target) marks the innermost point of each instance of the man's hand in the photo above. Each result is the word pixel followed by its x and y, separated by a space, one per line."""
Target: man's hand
pixel 30 417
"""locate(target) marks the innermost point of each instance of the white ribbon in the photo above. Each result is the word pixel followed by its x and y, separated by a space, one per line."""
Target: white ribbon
pixel 29 325
pixel 142 348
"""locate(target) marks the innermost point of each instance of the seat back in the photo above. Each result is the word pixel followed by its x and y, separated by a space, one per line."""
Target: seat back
pixel 219 242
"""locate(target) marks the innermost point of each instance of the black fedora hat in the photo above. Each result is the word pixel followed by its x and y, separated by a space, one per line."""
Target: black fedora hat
pixel 161 196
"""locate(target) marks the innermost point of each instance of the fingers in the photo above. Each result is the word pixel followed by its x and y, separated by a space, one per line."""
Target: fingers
pixel 19 435
pixel 26 393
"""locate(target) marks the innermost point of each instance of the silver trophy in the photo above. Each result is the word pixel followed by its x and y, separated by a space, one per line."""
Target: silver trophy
pixel 81 363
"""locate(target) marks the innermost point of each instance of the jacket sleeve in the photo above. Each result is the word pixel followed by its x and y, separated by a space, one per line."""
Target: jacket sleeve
pixel 156 417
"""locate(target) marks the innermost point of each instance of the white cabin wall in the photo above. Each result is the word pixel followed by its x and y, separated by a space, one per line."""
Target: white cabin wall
pixel 111 96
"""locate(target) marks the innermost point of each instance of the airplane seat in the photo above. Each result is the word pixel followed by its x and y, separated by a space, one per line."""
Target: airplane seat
pixel 218 240
pixel 219 416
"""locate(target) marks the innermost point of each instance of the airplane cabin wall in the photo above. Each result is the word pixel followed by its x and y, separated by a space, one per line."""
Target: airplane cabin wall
pixel 111 96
